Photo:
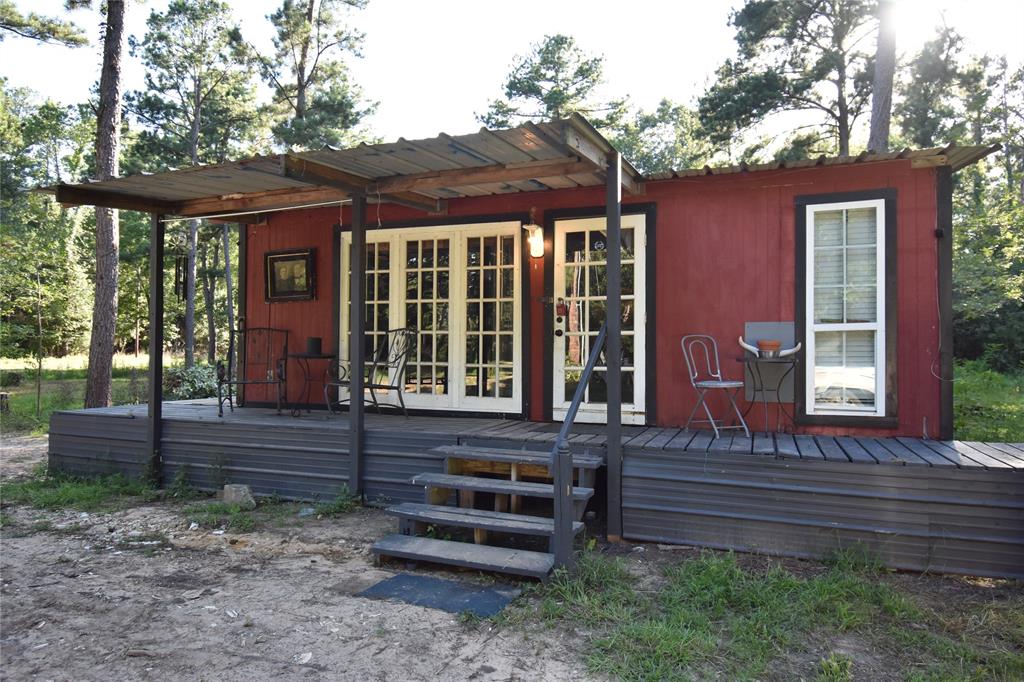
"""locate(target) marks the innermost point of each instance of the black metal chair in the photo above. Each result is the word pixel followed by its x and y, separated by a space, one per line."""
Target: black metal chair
pixel 384 370
pixel 258 355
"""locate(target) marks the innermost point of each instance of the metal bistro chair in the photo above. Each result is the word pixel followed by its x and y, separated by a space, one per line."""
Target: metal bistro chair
pixel 383 371
pixel 709 380
pixel 264 353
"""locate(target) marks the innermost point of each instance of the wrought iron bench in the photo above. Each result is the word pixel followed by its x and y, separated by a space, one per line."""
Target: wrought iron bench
pixel 384 370
pixel 257 355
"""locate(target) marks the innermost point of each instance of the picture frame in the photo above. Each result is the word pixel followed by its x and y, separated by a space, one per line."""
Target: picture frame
pixel 290 275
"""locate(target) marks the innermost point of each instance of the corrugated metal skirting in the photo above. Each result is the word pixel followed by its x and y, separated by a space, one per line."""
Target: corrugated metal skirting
pixel 920 518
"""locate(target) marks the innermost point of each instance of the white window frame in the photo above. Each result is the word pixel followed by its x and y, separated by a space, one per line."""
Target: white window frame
pixel 456 398
pixel 878 326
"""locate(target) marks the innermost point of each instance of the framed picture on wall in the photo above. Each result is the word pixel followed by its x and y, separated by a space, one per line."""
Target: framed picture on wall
pixel 291 275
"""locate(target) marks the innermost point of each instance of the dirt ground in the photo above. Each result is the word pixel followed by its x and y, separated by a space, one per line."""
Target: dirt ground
pixel 136 595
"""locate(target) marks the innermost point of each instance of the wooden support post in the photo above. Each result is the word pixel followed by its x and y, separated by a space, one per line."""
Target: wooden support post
pixel 613 199
pixel 357 262
pixel 944 235
pixel 154 407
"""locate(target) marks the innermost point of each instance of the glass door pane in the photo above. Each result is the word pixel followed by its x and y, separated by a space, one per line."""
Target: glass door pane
pixel 490 316
pixel 426 300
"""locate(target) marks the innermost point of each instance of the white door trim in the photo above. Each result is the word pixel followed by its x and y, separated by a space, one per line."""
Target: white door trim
pixel 634 412
pixel 458 237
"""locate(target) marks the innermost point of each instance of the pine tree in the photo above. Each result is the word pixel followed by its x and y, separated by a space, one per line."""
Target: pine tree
pixel 555 79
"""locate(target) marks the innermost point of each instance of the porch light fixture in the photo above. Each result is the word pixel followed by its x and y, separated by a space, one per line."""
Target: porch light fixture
pixel 534 235
pixel 535 238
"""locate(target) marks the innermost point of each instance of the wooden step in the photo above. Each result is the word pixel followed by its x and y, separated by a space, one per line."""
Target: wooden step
pixel 511 456
pixel 477 518
pixel 482 557
pixel 495 485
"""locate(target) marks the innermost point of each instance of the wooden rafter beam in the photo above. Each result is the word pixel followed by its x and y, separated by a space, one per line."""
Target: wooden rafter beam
pixel 267 200
pixel 316 173
pixel 458 177
pixel 69 195
pixel 584 145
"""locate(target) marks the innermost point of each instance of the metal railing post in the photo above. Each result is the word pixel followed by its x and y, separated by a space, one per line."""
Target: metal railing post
pixel 561 466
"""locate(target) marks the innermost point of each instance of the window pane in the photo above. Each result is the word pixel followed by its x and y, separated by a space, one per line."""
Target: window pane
pixel 860 265
pixel 844 372
pixel 828 266
pixel 828 304
pixel 575 249
pixel 828 228
pixel 861 225
pixel 860 304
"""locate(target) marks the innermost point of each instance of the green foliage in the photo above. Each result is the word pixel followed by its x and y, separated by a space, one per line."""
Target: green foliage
pixel 712 618
pixel 190 383
pixel 61 491
pixel 835 668
pixel 343 503
pixel 987 405
pixel 927 108
pixel 38 27
pixel 221 515
pixel 555 79
pixel 316 104
pixel 794 56
pixel 669 138
pixel 10 379
pixel 44 273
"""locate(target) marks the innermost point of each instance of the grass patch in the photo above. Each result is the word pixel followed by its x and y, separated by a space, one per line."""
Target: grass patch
pixel 222 515
pixel 713 618
pixel 343 503
pixel 60 491
pixel 987 405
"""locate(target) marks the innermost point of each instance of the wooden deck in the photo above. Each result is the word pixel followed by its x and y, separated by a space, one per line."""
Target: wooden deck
pixel 592 437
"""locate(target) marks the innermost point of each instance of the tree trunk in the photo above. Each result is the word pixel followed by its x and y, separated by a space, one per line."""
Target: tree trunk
pixel 843 110
pixel 881 88
pixel 108 238
pixel 300 67
pixel 227 274
pixel 190 294
pixel 209 282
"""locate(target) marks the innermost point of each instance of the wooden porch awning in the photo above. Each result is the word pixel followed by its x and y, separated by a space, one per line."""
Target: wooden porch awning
pixel 419 173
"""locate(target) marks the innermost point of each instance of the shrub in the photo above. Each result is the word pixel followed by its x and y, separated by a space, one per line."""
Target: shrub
pixel 189 383
pixel 11 378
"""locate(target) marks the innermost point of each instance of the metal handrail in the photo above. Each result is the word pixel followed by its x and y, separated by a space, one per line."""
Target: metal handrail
pixel 561 464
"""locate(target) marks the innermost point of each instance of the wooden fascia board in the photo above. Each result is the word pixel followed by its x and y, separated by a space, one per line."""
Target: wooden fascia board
pixel 321 174
pixel 259 201
pixel 71 195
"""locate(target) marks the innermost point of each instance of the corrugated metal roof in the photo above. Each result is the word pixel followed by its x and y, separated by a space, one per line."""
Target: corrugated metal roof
pixel 955 156
pixel 535 156
pixel 424 173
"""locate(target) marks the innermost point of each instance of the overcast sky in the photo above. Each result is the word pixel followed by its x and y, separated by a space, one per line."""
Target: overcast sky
pixel 433 64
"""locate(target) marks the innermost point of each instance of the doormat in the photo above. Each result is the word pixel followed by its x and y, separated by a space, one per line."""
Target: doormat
pixel 446 595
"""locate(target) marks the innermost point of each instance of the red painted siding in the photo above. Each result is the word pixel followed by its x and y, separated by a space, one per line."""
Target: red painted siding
pixel 725 255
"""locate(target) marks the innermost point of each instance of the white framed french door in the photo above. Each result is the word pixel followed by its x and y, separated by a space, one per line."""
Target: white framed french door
pixel 580 303
pixel 459 287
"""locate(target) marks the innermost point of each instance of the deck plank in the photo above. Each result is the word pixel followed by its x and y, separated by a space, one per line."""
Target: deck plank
pixel 921 449
pixel 854 450
pixel 903 453
pixel 681 440
pixel 830 449
pixel 785 446
pixel 742 445
pixel 642 439
pixel 660 441
pixel 982 458
pixel 994 453
pixel 701 442
pixel 1009 451
pixel 721 444
pixel 808 448
pixel 878 451
pixel 763 444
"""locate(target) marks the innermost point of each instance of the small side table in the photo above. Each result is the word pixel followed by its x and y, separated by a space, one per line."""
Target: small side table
pixel 303 360
pixel 761 391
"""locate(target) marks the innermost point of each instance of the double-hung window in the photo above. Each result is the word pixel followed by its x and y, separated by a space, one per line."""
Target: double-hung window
pixel 845 308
